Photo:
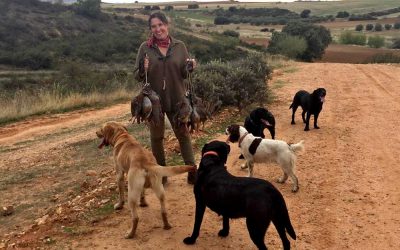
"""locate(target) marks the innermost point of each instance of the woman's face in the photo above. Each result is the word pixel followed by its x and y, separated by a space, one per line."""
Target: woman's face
pixel 158 28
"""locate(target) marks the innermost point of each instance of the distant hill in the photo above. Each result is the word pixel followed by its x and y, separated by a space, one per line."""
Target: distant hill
pixel 64 1
pixel 37 34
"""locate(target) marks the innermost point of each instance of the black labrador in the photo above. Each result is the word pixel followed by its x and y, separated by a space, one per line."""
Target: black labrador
pixel 257 121
pixel 236 197
pixel 310 103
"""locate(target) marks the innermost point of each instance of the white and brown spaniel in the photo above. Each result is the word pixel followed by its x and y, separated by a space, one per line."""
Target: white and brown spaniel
pixel 258 150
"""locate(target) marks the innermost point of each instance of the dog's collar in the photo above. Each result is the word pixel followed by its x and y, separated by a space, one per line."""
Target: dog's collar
pixel 242 138
pixel 210 153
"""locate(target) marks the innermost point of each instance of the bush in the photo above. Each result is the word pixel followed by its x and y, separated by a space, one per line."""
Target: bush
pixel 359 27
pixel 317 38
pixel 396 26
pixel 305 14
pixel 231 33
pixel 342 14
pixel 88 8
pixel 369 26
pixel 388 26
pixel 168 8
pixel 220 20
pixel 378 27
pixel 232 9
pixel 376 41
pixel 396 43
pixel 240 83
pixel 284 44
pixel 193 6
pixel 348 37
pixel 384 58
pixel 155 7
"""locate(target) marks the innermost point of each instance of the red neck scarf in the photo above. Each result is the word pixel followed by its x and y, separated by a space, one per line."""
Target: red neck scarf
pixel 161 43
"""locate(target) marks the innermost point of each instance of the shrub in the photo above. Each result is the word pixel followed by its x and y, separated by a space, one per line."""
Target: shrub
pixel 359 27
pixel 147 7
pixel 378 27
pixel 342 14
pixel 305 14
pixel 388 26
pixel 88 8
pixel 155 7
pixel 264 30
pixel 348 37
pixel 317 38
pixel 396 43
pixel 221 20
pixel 240 83
pixel 231 33
pixel 193 6
pixel 168 7
pixel 369 26
pixel 396 26
pixel 284 44
pixel 384 58
pixel 376 41
pixel 232 9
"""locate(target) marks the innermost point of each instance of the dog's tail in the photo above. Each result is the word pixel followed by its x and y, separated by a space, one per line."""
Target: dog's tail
pixel 298 147
pixel 166 171
pixel 291 106
pixel 282 219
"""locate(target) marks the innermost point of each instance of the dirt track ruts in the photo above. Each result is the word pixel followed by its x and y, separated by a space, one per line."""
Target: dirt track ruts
pixel 349 195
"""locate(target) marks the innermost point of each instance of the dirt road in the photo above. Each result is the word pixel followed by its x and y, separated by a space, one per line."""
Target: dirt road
pixel 349 195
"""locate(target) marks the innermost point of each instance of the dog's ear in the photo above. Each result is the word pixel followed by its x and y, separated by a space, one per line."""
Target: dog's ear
pixel 204 148
pixel 234 133
pixel 224 152
pixel 108 132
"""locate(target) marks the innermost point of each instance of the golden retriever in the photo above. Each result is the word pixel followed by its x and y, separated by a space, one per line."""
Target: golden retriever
pixel 141 168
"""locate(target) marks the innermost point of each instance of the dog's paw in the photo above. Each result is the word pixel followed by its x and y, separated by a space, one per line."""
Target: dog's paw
pixel 280 180
pixel 118 206
pixel 167 227
pixel 129 235
pixel 189 241
pixel 316 127
pixel 306 129
pixel 143 204
pixel 223 233
pixel 295 189
pixel 243 166
pixel 292 123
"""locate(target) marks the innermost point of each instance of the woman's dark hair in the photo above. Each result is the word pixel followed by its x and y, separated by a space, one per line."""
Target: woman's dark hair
pixel 158 15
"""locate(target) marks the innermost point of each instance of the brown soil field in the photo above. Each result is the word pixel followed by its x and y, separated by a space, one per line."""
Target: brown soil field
pixel 339 53
pixel 349 195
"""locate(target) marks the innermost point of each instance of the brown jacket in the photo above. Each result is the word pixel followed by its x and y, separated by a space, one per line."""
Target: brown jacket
pixel 166 74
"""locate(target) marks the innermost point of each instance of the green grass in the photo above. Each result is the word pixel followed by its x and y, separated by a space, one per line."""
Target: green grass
pixel 290 70
pixel 279 84
pixel 101 212
pixel 198 16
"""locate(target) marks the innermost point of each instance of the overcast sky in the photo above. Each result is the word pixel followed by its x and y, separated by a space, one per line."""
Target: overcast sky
pixel 159 1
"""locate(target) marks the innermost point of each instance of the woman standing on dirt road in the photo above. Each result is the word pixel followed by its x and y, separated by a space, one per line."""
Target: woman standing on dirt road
pixel 166 62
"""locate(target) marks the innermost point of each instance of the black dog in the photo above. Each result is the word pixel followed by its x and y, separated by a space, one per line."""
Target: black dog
pixel 257 121
pixel 235 197
pixel 310 103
